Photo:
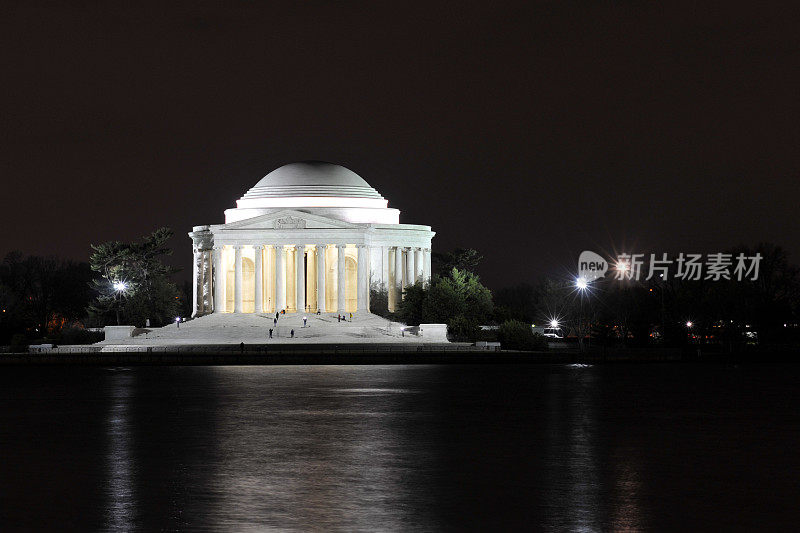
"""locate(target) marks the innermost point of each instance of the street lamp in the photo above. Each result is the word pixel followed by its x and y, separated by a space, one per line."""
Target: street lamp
pixel 554 323
pixel 119 288
pixel 581 283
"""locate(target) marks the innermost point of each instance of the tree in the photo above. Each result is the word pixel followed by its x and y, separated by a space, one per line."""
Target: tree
pixel 459 300
pixel 461 259
pixel 379 299
pixel 42 294
pixel 148 292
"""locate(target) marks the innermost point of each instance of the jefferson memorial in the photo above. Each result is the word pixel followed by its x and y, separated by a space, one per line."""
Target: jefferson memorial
pixel 308 237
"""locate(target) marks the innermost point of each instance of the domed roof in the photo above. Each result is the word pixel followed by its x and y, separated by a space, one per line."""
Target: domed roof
pixel 311 179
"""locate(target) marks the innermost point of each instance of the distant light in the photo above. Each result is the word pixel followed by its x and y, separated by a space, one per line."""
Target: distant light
pixel 177 319
pixel 581 283
pixel 554 323
pixel 689 324
pixel 622 266
pixel 120 286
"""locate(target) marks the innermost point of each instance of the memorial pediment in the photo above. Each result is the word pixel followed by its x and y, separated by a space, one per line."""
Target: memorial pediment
pixel 289 219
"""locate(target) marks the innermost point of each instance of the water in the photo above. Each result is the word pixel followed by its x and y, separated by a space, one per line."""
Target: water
pixel 412 448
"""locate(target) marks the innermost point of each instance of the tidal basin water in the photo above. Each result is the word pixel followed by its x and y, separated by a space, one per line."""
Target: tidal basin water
pixel 400 448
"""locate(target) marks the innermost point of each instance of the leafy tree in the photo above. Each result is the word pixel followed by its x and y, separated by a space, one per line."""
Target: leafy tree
pixel 379 299
pixel 443 302
pixel 412 307
pixel 478 299
pixel 148 291
pixel 460 259
pixel 459 300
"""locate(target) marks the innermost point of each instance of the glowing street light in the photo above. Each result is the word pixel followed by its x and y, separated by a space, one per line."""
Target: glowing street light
pixel 119 288
pixel 689 324
pixel 581 283
pixel 554 323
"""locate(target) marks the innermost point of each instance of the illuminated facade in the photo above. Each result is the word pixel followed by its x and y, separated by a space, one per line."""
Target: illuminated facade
pixel 309 236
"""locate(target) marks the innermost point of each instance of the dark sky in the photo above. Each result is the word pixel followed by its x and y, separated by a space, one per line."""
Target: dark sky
pixel 527 131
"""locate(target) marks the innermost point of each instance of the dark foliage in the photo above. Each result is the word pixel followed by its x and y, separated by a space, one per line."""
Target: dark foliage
pixel 516 335
pixel 379 300
pixel 149 293
pixel 461 259
pixel 42 295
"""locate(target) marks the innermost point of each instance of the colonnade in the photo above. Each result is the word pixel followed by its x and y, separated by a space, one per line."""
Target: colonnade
pixel 213 281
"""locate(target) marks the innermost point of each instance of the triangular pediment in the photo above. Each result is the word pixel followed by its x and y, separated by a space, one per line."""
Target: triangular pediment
pixel 289 219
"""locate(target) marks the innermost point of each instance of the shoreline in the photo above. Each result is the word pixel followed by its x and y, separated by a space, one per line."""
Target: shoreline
pixel 368 354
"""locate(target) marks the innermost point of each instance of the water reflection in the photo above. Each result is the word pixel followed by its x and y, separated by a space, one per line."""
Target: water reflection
pixel 121 483
pixel 461 447
pixel 572 463
pixel 313 452
pixel 625 513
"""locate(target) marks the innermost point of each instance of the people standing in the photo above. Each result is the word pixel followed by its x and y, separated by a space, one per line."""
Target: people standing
pixel 305 319
pixel 292 334
pixel 275 322
pixel 270 333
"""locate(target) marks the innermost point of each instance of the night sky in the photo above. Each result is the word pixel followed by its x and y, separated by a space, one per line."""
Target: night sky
pixel 527 131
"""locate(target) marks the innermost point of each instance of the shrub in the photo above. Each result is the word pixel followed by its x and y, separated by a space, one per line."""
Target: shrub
pixel 516 335
pixel 462 329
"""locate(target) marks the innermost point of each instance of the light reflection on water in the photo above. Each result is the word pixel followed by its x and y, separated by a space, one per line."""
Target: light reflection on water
pixel 399 448
pixel 121 481
pixel 338 467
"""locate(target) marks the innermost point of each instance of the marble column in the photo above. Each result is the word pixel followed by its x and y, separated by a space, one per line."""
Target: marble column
pixel 409 266
pixel 280 278
pixel 385 267
pixel 300 271
pixel 207 281
pixel 362 275
pixel 341 281
pixel 237 279
pixel 398 274
pixel 259 253
pixel 321 277
pixel 426 265
pixel 418 277
pixel 219 281
pixel 195 281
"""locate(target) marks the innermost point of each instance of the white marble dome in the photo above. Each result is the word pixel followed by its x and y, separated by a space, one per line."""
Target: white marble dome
pixel 308 236
pixel 312 178
pixel 315 187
